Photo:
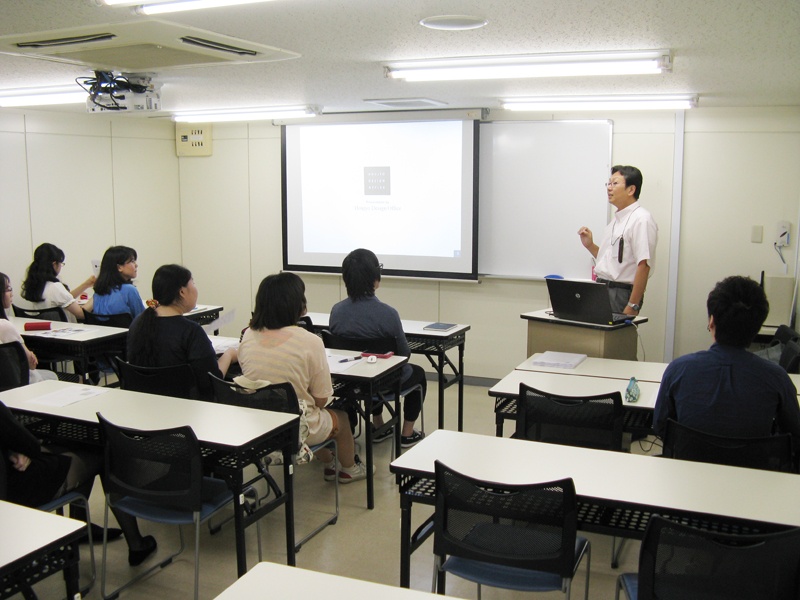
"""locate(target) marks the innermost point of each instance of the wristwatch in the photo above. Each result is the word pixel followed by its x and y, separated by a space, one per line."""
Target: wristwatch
pixel 635 307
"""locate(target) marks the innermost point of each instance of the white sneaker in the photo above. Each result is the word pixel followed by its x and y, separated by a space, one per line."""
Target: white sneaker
pixel 355 473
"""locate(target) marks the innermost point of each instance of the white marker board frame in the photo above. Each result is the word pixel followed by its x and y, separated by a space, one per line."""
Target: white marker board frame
pixel 540 181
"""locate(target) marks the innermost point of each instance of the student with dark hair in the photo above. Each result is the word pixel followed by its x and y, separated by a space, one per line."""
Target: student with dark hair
pixel 727 390
pixel 162 337
pixel 9 333
pixel 626 256
pixel 361 315
pixel 276 350
pixel 42 287
pixel 114 293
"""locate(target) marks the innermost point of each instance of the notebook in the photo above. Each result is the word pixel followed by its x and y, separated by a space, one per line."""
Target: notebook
pixel 584 301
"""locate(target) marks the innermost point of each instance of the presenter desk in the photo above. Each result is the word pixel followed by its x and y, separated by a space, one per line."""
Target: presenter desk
pixel 231 437
pixel 434 345
pixel 546 332
pixel 616 492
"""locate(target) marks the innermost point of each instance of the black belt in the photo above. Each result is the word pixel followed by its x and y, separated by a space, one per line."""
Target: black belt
pixel 614 284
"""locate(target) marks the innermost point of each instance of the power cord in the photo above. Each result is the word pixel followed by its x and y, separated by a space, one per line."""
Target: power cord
pixel 105 84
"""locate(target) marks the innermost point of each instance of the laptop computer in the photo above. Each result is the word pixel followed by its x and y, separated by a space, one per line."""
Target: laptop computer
pixel 584 301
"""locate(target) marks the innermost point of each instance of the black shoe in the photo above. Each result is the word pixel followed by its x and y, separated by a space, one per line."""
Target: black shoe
pixel 97 535
pixel 387 434
pixel 136 557
pixel 406 441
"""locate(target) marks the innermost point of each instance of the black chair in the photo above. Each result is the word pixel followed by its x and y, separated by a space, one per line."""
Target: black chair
pixel 55 313
pixel 158 476
pixel 122 320
pixel 784 334
pixel 392 404
pixel 520 537
pixel 177 381
pixel 678 561
pixel 771 453
pixel 280 397
pixel 790 357
pixel 585 421
pixel 306 323
pixel 14 369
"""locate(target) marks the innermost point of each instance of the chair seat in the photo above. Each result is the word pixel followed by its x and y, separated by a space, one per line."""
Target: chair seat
pixel 630 583
pixel 512 578
pixel 215 494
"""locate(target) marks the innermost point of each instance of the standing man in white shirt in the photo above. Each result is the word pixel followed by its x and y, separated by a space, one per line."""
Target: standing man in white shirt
pixel 625 258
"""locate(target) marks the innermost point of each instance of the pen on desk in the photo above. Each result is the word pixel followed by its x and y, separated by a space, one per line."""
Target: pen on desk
pixel 350 359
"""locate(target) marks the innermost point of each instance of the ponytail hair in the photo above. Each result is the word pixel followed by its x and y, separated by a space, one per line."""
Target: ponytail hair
pixel 41 271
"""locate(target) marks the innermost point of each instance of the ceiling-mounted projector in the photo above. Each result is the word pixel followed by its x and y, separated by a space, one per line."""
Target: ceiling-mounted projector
pixel 128 92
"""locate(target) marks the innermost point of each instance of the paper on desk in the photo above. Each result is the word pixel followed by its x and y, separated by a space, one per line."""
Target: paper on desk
pixel 219 323
pixel 63 332
pixel 67 396
pixel 222 343
pixel 561 360
pixel 339 367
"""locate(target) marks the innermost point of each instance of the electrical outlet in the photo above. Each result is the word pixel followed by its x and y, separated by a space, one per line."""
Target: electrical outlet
pixel 782 233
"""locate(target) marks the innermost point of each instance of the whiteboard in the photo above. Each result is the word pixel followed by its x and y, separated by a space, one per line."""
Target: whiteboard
pixel 540 181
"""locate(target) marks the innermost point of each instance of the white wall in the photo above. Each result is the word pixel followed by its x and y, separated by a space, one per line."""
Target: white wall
pixel 85 182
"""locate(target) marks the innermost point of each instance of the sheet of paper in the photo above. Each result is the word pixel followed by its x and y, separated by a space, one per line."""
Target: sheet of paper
pixel 222 343
pixel 67 396
pixel 63 332
pixel 335 364
pixel 562 360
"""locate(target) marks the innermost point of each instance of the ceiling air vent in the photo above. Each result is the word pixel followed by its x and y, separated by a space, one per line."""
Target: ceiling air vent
pixel 145 46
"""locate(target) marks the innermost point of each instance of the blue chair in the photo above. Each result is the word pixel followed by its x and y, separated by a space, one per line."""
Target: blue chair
pixel 157 476
pixel 680 561
pixel 518 537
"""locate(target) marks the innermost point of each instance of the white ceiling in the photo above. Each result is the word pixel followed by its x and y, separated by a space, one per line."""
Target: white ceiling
pixel 730 52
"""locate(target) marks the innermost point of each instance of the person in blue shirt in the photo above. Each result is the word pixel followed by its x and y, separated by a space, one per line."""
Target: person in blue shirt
pixel 727 390
pixel 114 293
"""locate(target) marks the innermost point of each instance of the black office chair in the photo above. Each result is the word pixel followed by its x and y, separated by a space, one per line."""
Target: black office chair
pixel 14 368
pixel 790 357
pixel 55 313
pixel 279 397
pixel 392 404
pixel 678 561
pixel 158 476
pixel 784 334
pixel 771 453
pixel 177 381
pixel 122 320
pixel 585 421
pixel 520 537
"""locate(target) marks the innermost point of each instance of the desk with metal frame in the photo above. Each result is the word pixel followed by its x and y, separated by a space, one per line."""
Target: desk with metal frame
pixel 36 545
pixel 361 381
pixel 231 437
pixel 616 492
pixel 434 345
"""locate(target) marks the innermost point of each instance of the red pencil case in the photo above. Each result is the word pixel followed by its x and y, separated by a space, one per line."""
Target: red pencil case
pixel 38 326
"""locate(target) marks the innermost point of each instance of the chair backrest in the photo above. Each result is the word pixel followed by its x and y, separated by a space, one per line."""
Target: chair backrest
pixel 56 313
pixel 790 357
pixel 784 334
pixel 306 323
pixel 177 381
pixel 122 320
pixel 160 466
pixel 530 526
pixel 278 397
pixel 678 561
pixel 587 421
pixel 14 369
pixel 771 453
pixel 376 345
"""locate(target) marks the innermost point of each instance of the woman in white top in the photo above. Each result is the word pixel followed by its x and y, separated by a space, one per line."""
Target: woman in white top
pixel 43 289
pixel 9 333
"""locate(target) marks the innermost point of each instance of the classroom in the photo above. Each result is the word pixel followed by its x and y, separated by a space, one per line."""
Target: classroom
pixel 712 174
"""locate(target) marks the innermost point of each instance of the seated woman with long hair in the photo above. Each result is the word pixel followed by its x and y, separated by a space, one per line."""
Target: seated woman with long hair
pixel 114 293
pixel 275 349
pixel 42 287
pixel 9 333
pixel 162 337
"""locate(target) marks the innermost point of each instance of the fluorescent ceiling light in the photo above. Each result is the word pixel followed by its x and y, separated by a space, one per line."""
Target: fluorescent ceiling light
pixel 641 102
pixel 245 114
pixel 43 96
pixel 453 22
pixel 636 62
pixel 160 8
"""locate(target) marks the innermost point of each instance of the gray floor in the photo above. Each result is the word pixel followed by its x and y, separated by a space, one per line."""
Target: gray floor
pixel 364 544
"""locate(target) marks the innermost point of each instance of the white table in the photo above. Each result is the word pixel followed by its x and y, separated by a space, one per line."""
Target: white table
pixel 434 345
pixel 617 492
pixel 279 581
pixel 35 545
pixel 609 368
pixel 546 332
pixel 231 437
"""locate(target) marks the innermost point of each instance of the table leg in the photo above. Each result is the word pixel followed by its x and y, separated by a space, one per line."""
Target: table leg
pixel 368 432
pixel 288 488
pixel 442 380
pixel 461 386
pixel 238 525
pixel 405 541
